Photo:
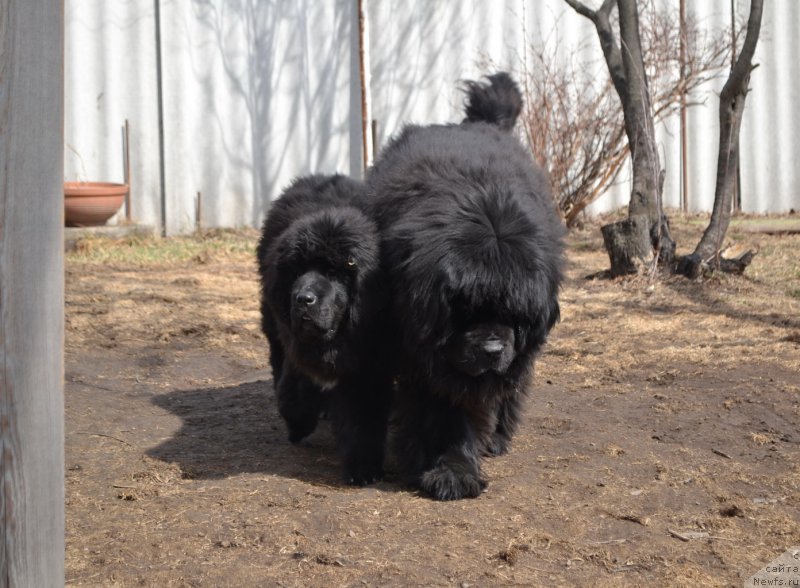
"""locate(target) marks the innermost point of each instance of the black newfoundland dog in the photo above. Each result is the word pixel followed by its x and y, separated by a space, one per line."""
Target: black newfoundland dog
pixel 473 248
pixel 322 296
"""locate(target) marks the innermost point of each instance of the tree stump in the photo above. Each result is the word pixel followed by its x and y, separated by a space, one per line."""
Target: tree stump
pixel 628 245
pixel 693 266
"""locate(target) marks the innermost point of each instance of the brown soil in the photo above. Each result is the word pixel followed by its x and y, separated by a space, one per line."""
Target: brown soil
pixel 660 447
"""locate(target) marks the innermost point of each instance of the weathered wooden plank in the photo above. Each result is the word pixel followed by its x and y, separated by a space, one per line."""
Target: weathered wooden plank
pixel 31 294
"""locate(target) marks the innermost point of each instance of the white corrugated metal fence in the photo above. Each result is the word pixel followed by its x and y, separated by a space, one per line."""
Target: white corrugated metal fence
pixel 258 91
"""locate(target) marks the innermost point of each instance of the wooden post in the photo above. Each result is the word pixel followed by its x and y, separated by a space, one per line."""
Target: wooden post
pixel 684 132
pixel 737 192
pixel 126 162
pixel 198 212
pixel 364 78
pixel 162 174
pixel 374 137
pixel 31 293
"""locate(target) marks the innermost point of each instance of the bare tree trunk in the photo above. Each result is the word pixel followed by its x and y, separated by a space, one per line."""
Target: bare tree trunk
pixel 731 109
pixel 629 248
pixel 648 177
pixel 638 119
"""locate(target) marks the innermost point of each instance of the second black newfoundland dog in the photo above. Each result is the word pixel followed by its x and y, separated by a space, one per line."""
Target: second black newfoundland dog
pixel 473 249
pixel 322 303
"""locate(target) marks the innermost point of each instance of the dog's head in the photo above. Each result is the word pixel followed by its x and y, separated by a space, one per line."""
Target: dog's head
pixel 487 336
pixel 480 348
pixel 324 261
pixel 479 283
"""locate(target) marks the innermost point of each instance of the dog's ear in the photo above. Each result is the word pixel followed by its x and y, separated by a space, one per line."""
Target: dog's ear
pixel 545 319
pixel 274 289
pixel 280 265
pixel 553 313
pixel 427 308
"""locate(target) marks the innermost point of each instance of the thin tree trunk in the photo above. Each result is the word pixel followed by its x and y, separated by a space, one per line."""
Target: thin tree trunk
pixel 731 109
pixel 630 250
pixel 648 177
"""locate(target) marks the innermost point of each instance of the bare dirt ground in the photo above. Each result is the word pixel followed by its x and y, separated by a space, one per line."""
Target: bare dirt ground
pixel 661 444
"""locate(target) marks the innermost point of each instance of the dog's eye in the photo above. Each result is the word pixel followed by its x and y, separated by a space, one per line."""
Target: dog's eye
pixel 351 262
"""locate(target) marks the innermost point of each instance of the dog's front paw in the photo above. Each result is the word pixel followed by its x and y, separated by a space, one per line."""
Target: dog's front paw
pixel 496 445
pixel 301 420
pixel 299 430
pixel 362 466
pixel 445 482
pixel 363 472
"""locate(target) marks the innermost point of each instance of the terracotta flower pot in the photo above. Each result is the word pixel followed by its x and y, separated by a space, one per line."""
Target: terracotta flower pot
pixel 89 204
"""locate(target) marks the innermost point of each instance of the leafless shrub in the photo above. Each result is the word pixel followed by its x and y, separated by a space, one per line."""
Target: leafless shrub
pixel 573 118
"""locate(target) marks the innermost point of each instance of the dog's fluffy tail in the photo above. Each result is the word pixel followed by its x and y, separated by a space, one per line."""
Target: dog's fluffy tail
pixel 497 102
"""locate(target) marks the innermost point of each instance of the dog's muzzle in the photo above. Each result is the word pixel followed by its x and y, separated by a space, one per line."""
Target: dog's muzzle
pixel 316 311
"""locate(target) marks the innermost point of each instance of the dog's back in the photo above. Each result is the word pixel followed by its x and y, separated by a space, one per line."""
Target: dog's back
pixel 480 153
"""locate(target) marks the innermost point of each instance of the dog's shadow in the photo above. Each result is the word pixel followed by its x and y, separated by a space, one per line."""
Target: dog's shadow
pixel 237 429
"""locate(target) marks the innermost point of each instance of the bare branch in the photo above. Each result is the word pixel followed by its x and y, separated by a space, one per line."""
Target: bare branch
pixel 742 68
pixel 601 19
pixel 607 7
pixel 574 122
pixel 582 9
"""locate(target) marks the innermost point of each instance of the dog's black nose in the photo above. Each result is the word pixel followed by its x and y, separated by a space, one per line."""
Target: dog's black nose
pixel 306 297
pixel 492 347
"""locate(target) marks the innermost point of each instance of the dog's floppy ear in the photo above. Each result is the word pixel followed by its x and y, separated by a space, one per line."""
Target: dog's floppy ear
pixel 277 281
pixel 553 313
pixel 545 319
pixel 428 308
